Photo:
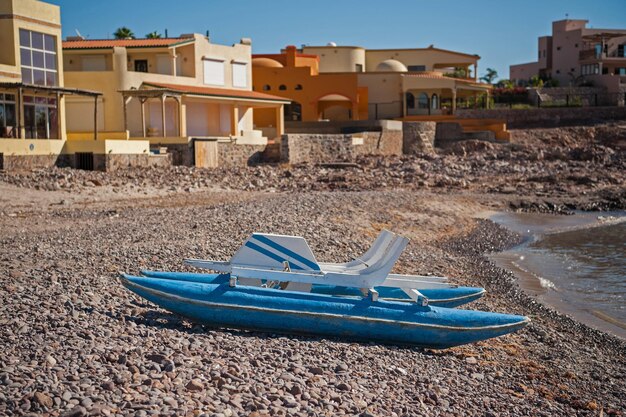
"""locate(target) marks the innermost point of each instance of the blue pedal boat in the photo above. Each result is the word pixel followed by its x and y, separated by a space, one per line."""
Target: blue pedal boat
pixel 223 304
pixel 444 295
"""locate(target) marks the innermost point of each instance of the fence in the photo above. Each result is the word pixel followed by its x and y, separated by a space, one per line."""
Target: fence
pixel 580 100
pixel 388 110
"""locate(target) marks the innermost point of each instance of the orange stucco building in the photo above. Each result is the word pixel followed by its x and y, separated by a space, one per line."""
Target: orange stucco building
pixel 315 96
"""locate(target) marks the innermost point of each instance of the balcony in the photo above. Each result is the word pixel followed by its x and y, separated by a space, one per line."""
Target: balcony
pixel 595 55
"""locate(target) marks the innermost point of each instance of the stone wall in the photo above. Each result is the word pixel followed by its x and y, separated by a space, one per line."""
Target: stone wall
pixel 181 154
pixel 547 117
pixel 28 162
pixel 233 155
pixel 116 161
pixel 312 148
pixel 418 137
pixel 448 133
pixel 387 142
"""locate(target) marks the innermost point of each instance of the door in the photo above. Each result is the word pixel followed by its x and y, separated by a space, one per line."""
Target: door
pixel 205 153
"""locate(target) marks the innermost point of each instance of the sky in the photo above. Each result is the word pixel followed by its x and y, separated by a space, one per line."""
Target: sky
pixel 501 32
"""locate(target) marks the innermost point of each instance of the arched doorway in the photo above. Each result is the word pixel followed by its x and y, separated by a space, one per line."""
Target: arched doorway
pixel 410 101
pixel 335 107
pixel 434 102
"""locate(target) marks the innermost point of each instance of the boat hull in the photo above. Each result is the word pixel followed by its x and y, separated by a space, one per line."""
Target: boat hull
pixel 441 297
pixel 263 309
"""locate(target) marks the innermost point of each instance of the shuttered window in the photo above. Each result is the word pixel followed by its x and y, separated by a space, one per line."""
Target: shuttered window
pixel 240 75
pixel 213 72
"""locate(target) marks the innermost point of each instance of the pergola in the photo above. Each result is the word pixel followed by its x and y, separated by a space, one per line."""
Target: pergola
pixel 21 88
pixel 144 95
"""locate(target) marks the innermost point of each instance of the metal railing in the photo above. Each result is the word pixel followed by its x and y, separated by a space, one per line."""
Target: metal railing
pixel 581 100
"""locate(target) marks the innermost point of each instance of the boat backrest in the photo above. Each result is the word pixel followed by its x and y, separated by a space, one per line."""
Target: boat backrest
pixel 269 251
pixel 377 271
pixel 385 237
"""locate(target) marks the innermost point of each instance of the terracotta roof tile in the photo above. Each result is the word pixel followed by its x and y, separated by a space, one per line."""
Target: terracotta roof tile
pixel 127 43
pixel 219 92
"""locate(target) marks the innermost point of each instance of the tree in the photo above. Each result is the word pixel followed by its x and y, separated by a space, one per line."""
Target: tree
pixel 536 81
pixel 124 33
pixel 506 84
pixel 490 76
pixel 153 35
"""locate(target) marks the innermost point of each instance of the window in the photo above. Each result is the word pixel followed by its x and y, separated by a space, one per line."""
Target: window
pixel 558 71
pixel 410 101
pixel 141 65
pixel 267 87
pixel 7 116
pixel 213 71
pixel 539 54
pixel 558 48
pixel 298 87
pixel 240 75
pixel 417 68
pixel 282 87
pixel 621 51
pixel 422 101
pixel 40 117
pixel 589 69
pixel 575 45
pixel 358 67
pixel 620 71
pixel 38 55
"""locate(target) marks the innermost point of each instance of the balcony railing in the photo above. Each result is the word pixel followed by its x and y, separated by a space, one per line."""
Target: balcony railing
pixel 594 54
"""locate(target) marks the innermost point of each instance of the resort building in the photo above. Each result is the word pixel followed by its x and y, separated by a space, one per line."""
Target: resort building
pixel 574 53
pixel 315 96
pixel 353 83
pixel 182 93
pixel 32 91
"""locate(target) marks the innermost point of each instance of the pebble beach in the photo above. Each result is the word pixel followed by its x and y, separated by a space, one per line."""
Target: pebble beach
pixel 75 342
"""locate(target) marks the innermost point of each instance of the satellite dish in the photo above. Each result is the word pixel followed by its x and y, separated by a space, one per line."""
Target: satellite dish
pixel 331 44
pixel 78 34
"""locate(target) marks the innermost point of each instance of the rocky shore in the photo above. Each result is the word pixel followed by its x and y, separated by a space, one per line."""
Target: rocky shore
pixel 542 170
pixel 76 343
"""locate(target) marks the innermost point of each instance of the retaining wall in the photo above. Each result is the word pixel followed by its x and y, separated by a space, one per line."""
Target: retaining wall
pixel 547 117
pixel 418 137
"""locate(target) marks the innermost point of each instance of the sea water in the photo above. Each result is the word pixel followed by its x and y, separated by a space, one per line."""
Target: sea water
pixel 577 264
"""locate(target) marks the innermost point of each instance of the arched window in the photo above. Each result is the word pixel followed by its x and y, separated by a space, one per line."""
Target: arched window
pixel 434 102
pixel 298 86
pixel 410 100
pixel 267 87
pixel 282 87
pixel 422 101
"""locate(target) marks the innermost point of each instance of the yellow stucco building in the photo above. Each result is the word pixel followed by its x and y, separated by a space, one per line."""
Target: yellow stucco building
pixel 32 91
pixel 169 90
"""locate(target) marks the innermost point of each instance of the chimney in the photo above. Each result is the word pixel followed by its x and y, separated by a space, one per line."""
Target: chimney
pixel 290 51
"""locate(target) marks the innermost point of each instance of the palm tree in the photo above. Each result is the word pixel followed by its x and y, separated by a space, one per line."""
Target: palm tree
pixel 124 33
pixel 153 35
pixel 490 76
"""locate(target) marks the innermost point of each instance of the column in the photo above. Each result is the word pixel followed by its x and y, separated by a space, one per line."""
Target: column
pixel 173 56
pixel 182 128
pixel 453 100
pixel 60 126
pixel 280 121
pixel 19 107
pixel 234 120
pixel 95 117
pixel 404 94
pixel 476 71
pixel 125 101
pixel 143 117
pixel 163 115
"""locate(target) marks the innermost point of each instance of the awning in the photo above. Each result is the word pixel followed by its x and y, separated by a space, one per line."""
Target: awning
pixel 51 89
pixel 219 93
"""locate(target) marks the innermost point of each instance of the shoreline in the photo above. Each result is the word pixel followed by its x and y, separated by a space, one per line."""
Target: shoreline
pixel 534 227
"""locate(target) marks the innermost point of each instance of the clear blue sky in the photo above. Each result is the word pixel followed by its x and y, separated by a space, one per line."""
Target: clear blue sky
pixel 501 32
